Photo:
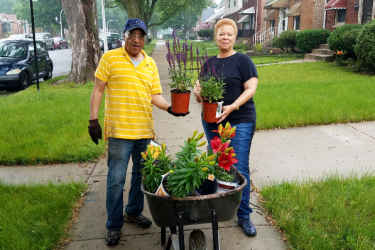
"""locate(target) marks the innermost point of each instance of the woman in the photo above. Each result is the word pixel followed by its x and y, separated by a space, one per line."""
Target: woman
pixel 241 78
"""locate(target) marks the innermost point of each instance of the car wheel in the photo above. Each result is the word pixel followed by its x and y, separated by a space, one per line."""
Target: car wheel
pixel 48 73
pixel 67 45
pixel 24 80
pixel 53 47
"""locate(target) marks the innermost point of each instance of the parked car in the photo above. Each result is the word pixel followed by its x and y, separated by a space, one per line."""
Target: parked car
pixel 46 38
pixel 17 63
pixel 112 41
pixel 19 36
pixel 60 42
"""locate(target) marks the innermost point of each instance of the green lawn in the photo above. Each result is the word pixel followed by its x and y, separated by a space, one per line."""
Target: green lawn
pixel 34 216
pixel 331 213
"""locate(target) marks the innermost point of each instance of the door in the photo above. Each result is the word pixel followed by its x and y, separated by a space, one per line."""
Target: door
pixel 41 59
pixel 367 11
pixel 32 60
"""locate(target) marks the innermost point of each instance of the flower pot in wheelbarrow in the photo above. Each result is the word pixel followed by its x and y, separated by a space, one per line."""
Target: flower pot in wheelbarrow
pixel 195 209
pixel 180 101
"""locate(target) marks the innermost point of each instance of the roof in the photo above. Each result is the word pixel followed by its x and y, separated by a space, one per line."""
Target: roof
pixel 270 15
pixel 207 13
pixel 295 10
pixel 244 19
pixel 250 10
pixel 335 4
pixel 274 4
pixel 218 15
pixel 234 9
pixel 9 18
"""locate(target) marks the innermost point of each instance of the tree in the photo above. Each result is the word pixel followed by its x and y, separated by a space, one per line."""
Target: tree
pixel 112 13
pixel 184 21
pixel 45 12
pixel 167 9
pixel 83 29
pixel 7 6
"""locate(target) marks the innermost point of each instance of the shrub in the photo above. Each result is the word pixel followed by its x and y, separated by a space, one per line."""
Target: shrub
pixel 365 49
pixel 258 48
pixel 306 40
pixel 193 37
pixel 287 40
pixel 239 47
pixel 208 33
pixel 275 42
pixel 344 38
pixel 149 39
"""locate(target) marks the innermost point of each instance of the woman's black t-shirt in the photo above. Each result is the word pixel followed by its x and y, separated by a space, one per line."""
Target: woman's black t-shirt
pixel 236 70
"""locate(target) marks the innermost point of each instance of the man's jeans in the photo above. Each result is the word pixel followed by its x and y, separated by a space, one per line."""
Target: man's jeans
pixel 119 152
pixel 241 144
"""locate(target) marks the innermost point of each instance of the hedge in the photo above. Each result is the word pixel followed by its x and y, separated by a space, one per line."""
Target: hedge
pixel 345 38
pixel 365 49
pixel 307 40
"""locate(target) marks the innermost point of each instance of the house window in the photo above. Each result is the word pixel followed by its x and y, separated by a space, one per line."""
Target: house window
pixel 341 15
pixel 6 27
pixel 296 22
pixel 246 26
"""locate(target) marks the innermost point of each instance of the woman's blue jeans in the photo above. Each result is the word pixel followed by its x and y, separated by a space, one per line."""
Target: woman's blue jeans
pixel 119 152
pixel 241 144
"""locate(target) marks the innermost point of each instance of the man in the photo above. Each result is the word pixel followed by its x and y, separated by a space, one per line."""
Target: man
pixel 132 86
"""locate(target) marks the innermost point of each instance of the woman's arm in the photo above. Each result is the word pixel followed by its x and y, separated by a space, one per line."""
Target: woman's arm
pixel 250 87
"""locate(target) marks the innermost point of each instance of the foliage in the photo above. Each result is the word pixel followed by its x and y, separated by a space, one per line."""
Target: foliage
pixel 345 38
pixel 258 48
pixel 287 40
pixel 167 36
pixel 180 35
pixel 365 49
pixel 183 22
pixel 177 60
pixel 275 42
pixel 239 47
pixel 191 168
pixel 149 39
pixel 36 216
pixel 211 83
pixel 207 33
pixel 193 37
pixel 44 13
pixel 7 6
pixel 156 163
pixel 309 39
pixel 334 212
pixel 117 15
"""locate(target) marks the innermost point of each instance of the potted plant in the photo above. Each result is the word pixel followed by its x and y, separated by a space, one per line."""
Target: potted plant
pixel 224 156
pixel 156 164
pixel 212 90
pixel 181 77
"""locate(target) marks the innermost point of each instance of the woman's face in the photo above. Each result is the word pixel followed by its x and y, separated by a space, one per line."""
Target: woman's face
pixel 225 37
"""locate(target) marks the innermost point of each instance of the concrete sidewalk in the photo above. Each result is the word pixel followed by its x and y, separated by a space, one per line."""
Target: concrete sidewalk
pixel 276 155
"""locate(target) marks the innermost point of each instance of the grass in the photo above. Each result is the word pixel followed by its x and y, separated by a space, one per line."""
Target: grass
pixel 47 127
pixel 34 216
pixel 332 213
pixel 294 95
pixel 148 48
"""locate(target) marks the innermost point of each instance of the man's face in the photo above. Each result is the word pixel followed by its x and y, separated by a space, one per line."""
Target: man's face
pixel 134 41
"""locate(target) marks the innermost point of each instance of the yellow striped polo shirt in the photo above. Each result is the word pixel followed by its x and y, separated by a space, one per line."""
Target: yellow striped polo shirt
pixel 128 107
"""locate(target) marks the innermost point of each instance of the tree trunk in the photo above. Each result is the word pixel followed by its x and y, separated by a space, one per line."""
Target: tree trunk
pixel 82 21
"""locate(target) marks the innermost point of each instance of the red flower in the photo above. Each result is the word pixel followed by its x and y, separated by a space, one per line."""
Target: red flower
pixel 217 145
pixel 227 160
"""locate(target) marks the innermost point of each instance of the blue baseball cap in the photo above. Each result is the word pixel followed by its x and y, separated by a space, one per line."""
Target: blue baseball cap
pixel 135 23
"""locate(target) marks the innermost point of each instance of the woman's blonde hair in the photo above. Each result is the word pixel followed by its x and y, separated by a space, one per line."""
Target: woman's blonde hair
pixel 226 21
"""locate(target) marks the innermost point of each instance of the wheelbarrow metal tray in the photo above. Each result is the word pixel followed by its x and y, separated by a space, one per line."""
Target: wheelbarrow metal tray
pixel 195 209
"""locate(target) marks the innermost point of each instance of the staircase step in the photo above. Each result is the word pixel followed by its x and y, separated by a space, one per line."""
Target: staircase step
pixel 318 57
pixel 322 52
pixel 324 46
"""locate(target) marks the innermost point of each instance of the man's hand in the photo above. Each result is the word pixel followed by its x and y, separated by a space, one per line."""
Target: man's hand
pixel 176 114
pixel 95 131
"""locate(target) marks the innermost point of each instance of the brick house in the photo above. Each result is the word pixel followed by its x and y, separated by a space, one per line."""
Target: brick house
pixel 233 8
pixel 9 24
pixel 340 12
pixel 284 15
pixel 252 13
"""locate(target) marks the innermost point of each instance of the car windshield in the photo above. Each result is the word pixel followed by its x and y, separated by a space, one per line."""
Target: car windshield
pixel 16 51
pixel 40 36
pixel 56 38
pixel 17 36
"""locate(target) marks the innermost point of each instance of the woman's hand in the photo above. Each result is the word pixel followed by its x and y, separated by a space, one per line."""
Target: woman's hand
pixel 197 92
pixel 227 109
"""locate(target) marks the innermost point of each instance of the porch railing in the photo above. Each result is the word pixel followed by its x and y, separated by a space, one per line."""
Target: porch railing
pixel 265 36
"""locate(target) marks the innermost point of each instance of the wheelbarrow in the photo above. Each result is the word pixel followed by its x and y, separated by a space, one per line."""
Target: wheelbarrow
pixel 170 212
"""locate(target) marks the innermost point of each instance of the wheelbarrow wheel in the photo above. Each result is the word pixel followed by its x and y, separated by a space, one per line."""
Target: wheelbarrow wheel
pixel 197 240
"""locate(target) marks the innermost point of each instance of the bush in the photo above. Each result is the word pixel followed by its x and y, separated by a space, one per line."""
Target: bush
pixel 258 48
pixel 193 37
pixel 275 42
pixel 306 40
pixel 365 49
pixel 287 39
pixel 239 47
pixel 149 39
pixel 208 33
pixel 344 38
pixel 181 35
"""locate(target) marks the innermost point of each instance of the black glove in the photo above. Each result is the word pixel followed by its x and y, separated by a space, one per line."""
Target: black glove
pixel 176 114
pixel 95 131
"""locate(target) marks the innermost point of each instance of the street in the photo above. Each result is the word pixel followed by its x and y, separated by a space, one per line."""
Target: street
pixel 62 61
